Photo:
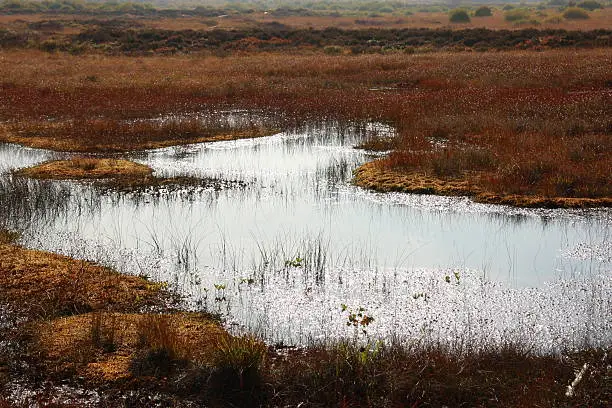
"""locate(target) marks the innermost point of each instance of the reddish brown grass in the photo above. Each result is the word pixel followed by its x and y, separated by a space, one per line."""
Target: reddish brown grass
pixel 527 123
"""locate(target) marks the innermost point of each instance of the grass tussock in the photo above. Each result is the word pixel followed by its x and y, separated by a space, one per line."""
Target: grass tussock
pixel 237 368
pixel 112 347
pixel 87 168
pixel 47 284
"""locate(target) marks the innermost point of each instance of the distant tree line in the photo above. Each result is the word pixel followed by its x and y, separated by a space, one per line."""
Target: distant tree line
pixel 119 36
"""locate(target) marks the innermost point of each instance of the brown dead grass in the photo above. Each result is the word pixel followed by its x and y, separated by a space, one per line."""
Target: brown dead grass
pixel 47 284
pixel 94 136
pixel 67 343
pixel 116 174
pixel 86 168
pixel 379 177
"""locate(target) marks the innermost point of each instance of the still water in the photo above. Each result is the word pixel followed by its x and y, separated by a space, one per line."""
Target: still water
pixel 287 240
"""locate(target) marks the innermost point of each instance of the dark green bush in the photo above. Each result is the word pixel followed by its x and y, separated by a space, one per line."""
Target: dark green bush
pixel 483 11
pixel 575 13
pixel 517 15
pixel 590 5
pixel 459 16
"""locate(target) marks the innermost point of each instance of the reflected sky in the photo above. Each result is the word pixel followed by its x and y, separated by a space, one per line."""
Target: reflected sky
pixel 369 249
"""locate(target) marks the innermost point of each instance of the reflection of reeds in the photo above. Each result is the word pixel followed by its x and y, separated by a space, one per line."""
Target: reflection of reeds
pixel 31 203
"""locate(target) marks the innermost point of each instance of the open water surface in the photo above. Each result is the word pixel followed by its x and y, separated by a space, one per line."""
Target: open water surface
pixel 288 240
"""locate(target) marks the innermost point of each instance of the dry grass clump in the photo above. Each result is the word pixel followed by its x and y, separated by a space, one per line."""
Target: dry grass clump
pixel 87 168
pixel 8 237
pixel 47 284
pixel 107 347
pixel 182 353
pixel 237 368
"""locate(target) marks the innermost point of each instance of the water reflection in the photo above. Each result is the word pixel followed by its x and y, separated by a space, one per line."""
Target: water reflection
pixel 296 240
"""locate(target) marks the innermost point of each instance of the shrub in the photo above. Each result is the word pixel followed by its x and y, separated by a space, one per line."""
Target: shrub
pixel 483 11
pixel 529 22
pixel 575 13
pixel 590 5
pixel 333 50
pixel 553 20
pixel 236 369
pixel 459 16
pixel 517 15
pixel 161 348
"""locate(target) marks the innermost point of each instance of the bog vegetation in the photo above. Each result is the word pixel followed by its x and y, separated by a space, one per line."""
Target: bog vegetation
pixel 521 116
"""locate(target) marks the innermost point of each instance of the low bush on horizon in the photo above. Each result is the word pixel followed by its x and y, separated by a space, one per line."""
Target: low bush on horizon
pixel 517 15
pixel 590 5
pixel 483 11
pixel 575 13
pixel 459 16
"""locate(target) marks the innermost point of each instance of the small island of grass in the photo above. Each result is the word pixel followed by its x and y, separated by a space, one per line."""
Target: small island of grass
pixel 87 168
pixel 117 174
pixel 378 177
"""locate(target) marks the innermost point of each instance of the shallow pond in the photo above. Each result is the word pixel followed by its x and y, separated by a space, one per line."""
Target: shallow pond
pixel 287 240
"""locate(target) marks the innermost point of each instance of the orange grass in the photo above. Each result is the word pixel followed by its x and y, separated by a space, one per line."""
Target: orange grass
pixel 47 284
pixel 86 167
pixel 102 346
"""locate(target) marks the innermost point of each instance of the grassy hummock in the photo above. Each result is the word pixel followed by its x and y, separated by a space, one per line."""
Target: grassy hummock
pixel 378 177
pixel 116 174
pixel 87 168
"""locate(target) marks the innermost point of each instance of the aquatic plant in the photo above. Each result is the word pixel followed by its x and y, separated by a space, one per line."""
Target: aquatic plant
pixel 295 262
pixel 357 318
